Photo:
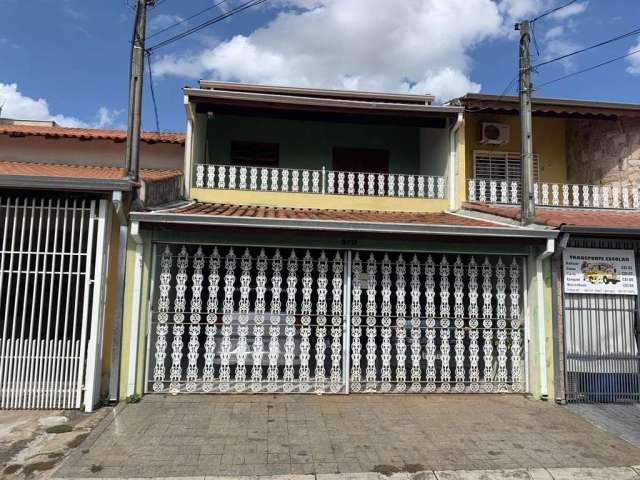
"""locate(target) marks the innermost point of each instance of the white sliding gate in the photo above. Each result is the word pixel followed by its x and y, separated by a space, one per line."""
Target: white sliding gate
pixel 52 254
pixel 238 319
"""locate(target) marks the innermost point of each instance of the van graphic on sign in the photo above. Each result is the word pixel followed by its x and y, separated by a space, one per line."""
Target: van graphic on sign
pixel 599 272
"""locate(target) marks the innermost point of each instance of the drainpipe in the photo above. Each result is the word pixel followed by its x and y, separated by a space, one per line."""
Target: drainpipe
pixel 135 309
pixel 542 348
pixel 453 167
pixel 116 339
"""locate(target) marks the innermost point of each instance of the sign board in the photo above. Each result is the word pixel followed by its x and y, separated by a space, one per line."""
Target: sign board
pixel 600 271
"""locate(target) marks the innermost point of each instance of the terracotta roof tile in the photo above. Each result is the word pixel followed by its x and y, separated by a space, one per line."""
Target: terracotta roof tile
pixel 558 216
pixel 81 171
pixel 87 133
pixel 255 211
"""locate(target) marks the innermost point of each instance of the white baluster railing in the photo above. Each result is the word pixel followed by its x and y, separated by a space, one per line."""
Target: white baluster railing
pixel 231 177
pixel 556 194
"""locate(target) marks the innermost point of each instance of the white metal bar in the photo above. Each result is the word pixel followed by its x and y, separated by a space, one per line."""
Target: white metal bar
pixel 41 346
pixel 25 343
pixel 53 399
pixel 64 374
pixel 346 324
pixel 12 364
pixel 81 242
pixel 44 378
pixel 85 301
pixel 37 293
pixel 94 353
pixel 5 342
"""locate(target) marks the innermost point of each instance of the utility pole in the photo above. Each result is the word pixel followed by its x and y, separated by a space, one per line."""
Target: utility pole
pixel 526 134
pixel 136 74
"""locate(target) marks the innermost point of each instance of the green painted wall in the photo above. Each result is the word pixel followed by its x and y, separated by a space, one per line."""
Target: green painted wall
pixel 309 144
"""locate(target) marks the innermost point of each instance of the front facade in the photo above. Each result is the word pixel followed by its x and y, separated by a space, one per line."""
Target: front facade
pixel 320 250
pixel 585 168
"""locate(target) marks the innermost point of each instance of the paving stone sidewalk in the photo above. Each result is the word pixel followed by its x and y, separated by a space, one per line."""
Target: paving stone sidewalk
pixel 620 419
pixel 180 436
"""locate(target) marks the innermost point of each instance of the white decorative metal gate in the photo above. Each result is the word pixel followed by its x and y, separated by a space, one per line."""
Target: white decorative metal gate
pixel 352 321
pixel 48 312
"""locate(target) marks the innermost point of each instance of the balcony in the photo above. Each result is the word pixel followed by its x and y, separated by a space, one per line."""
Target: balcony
pixel 338 189
pixel 556 195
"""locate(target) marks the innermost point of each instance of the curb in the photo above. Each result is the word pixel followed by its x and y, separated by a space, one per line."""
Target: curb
pixel 605 473
pixel 93 436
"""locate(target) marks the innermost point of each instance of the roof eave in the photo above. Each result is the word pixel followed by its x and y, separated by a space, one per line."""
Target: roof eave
pixel 284 101
pixel 585 229
pixel 339 225
pixel 65 183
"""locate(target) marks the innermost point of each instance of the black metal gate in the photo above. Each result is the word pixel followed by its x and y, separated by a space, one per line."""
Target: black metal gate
pixel 602 360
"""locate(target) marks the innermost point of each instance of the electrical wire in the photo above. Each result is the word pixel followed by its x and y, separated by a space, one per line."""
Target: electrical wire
pixel 197 28
pixel 586 49
pixel 553 10
pixel 191 17
pixel 153 92
pixel 588 69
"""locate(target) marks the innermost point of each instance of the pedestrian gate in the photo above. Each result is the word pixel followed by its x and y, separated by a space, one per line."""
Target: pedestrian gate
pixel 602 339
pixel 237 319
pixel 51 257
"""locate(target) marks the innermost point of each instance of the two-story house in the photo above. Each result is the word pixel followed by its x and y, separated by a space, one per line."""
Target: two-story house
pixel 322 248
pixel 586 168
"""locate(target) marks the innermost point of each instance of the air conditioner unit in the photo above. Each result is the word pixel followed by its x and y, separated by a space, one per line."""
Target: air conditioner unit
pixel 495 133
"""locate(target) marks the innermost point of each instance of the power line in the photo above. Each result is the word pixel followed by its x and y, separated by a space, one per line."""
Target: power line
pixel 585 49
pixel 197 28
pixel 588 69
pixel 153 92
pixel 191 17
pixel 553 10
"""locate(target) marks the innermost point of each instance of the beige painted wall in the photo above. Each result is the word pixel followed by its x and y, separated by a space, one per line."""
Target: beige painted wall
pixel 73 151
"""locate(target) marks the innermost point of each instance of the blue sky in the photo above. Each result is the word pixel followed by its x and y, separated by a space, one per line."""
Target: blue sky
pixel 68 59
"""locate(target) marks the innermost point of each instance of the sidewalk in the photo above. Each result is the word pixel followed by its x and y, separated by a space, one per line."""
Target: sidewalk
pixel 198 436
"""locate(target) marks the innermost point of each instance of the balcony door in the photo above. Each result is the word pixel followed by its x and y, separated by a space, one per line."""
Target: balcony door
pixel 366 160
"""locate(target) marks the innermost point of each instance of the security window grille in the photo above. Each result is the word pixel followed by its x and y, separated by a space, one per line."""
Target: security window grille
pixel 255 154
pixel 501 166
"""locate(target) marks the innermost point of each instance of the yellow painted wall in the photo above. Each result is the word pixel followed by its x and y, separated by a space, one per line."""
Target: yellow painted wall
pixel 549 142
pixel 110 303
pixel 316 200
pixel 128 316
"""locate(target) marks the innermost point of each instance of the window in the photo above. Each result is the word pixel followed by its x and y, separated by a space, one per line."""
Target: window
pixel 255 154
pixel 366 160
pixel 501 166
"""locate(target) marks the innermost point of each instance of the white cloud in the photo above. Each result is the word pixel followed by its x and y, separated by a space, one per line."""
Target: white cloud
pixel 158 22
pixel 634 60
pixel 570 11
pixel 361 44
pixel 19 106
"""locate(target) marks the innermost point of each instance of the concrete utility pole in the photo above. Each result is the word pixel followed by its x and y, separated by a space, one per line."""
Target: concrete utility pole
pixel 526 135
pixel 136 74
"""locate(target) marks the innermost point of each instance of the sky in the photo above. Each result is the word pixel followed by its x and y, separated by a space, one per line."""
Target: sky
pixel 68 60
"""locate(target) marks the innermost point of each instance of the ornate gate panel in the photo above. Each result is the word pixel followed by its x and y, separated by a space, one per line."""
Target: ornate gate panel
pixel 237 319
pixel 424 323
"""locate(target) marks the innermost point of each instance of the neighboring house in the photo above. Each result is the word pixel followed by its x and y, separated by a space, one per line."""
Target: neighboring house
pixel 319 250
pixel 587 161
pixel 63 226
